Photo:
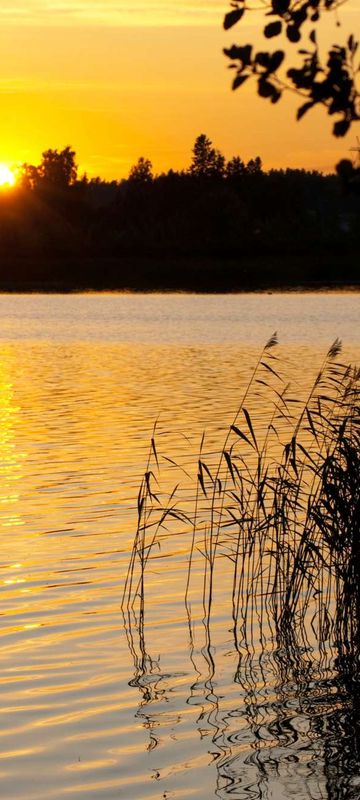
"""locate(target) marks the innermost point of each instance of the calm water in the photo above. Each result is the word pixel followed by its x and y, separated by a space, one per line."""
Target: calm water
pixel 84 713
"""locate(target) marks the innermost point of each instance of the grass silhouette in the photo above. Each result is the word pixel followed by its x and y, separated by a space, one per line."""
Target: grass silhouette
pixel 281 502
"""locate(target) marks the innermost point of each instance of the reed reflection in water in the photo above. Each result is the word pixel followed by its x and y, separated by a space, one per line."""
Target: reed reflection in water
pixel 270 728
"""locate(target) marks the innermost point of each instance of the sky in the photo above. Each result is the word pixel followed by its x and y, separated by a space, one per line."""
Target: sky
pixel 117 80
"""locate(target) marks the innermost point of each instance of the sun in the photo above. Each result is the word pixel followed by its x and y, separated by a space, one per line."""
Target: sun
pixel 7 177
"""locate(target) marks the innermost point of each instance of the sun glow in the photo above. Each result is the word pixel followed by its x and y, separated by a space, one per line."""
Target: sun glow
pixel 7 177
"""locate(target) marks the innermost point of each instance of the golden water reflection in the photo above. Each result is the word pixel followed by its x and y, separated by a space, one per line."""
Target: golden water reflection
pixel 11 457
pixel 79 717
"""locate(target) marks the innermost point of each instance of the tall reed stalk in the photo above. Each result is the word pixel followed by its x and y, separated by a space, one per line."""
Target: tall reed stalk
pixel 282 503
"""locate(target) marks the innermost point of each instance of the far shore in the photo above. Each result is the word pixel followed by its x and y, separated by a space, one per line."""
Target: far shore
pixel 273 273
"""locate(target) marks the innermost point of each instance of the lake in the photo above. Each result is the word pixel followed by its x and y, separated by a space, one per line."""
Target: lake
pixel 88 709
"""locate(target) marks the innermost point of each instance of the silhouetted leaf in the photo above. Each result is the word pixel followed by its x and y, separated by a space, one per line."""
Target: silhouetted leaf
pixel 263 59
pixel 230 466
pixel 242 53
pixel 251 429
pixel 153 447
pixel 267 366
pixel 276 60
pixel 341 127
pixel 201 479
pixel 311 423
pixel 239 80
pixel 293 33
pixel 265 88
pixel 293 455
pixel 233 17
pixel 206 468
pixel 241 435
pixel 272 29
pixel 233 52
pixel 303 109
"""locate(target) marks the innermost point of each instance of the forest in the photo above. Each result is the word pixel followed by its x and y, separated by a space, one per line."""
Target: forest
pixel 217 226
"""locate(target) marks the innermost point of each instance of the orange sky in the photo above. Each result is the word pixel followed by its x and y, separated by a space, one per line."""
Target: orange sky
pixel 117 84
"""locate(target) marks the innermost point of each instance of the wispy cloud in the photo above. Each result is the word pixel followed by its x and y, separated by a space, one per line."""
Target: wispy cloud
pixel 114 12
pixel 125 12
pixel 137 13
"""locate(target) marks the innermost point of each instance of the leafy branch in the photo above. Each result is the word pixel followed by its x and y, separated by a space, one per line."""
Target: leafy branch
pixel 332 85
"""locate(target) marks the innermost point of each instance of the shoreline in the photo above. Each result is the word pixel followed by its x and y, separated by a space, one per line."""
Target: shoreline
pixel 309 288
pixel 189 275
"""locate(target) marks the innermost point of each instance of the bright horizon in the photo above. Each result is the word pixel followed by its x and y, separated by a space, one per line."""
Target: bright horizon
pixel 117 84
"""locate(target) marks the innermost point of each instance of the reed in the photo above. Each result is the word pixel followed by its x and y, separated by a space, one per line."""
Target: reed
pixel 281 502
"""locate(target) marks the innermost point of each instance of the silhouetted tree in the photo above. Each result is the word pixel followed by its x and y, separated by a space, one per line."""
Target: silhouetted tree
pixel 141 172
pixel 57 170
pixel 235 168
pixel 219 164
pixel 207 161
pixel 332 85
pixel 254 166
pixel 29 176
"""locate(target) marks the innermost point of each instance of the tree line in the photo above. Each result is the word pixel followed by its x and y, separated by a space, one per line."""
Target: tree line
pixel 58 169
pixel 218 224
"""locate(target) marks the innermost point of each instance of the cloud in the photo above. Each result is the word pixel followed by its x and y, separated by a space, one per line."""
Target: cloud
pixel 114 12
pixel 122 12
